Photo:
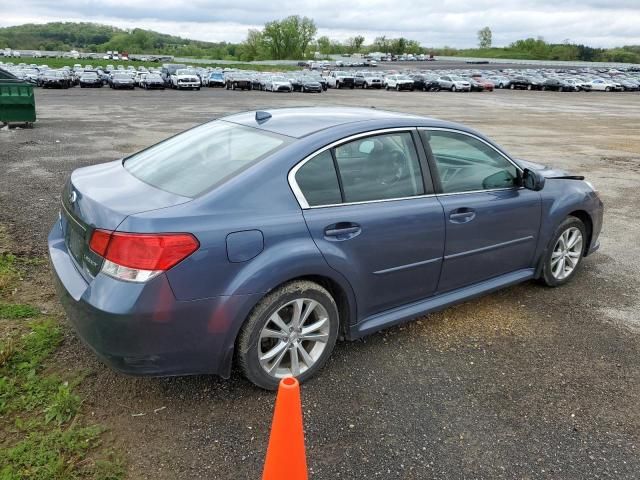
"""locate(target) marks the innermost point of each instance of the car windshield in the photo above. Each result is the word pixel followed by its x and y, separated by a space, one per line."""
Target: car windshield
pixel 152 76
pixel 403 77
pixel 90 75
pixel 456 78
pixel 185 72
pixel 121 76
pixel 203 157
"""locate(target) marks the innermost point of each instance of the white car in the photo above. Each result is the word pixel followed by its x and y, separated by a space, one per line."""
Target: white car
pixel 185 78
pixel 454 83
pixel 340 79
pixel 276 83
pixel 601 84
pixel 398 82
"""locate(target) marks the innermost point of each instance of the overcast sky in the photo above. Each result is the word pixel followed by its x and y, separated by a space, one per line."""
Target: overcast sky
pixel 602 23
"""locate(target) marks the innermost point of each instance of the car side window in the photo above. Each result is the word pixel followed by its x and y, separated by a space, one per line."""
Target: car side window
pixel 318 181
pixel 379 167
pixel 466 164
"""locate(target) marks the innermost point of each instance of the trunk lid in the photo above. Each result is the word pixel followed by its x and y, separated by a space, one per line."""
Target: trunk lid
pixel 102 196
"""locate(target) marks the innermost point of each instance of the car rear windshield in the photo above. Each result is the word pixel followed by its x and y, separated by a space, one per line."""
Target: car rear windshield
pixel 202 158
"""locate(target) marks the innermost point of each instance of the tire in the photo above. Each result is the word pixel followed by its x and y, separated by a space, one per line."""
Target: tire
pixel 250 344
pixel 337 85
pixel 198 89
pixel 453 88
pixel 529 87
pixel 550 275
pixel 512 87
pixel 397 88
pixel 607 89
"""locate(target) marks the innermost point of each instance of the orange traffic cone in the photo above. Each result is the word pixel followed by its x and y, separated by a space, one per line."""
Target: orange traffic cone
pixel 286 458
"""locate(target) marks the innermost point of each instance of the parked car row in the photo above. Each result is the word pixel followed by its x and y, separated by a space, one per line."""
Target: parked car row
pixel 184 77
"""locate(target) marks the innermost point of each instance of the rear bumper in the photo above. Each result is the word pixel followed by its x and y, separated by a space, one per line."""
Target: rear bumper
pixel 141 329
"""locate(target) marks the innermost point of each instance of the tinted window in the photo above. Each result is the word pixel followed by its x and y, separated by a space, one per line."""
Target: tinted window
pixel 466 164
pixel 318 181
pixel 200 158
pixel 379 167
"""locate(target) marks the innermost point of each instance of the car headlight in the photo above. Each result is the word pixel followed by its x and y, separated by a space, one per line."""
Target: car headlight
pixel 590 185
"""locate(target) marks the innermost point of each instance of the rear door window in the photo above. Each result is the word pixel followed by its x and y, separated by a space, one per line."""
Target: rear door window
pixel 379 167
pixel 318 181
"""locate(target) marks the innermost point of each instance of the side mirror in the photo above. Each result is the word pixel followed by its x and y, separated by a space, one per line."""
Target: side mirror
pixel 532 180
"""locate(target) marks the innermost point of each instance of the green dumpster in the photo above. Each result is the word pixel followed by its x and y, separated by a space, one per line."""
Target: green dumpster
pixel 17 103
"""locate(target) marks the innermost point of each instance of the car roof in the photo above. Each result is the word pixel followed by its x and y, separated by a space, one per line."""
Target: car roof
pixel 300 122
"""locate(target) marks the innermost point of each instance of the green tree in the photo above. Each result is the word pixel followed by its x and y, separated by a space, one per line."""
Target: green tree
pixel 324 45
pixel 252 47
pixel 288 38
pixel 484 37
pixel 358 41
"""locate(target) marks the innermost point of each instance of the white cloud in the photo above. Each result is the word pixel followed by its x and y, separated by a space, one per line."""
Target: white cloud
pixel 446 22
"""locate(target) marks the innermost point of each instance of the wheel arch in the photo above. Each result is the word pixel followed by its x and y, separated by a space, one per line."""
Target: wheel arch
pixel 585 218
pixel 339 289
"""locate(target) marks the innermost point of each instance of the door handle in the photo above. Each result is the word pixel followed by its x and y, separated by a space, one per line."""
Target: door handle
pixel 462 215
pixel 342 230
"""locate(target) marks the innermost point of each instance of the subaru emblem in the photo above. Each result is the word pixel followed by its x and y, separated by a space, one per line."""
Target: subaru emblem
pixel 73 196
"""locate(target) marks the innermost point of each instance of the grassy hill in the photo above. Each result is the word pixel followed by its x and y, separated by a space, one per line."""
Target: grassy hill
pixel 538 49
pixel 92 37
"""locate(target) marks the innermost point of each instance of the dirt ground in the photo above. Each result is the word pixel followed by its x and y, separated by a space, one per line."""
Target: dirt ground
pixel 526 383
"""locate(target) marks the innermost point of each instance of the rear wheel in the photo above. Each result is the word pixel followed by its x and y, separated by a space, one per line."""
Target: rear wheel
pixel 453 88
pixel 291 332
pixel 565 254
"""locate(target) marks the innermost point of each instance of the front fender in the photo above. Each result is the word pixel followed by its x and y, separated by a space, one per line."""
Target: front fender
pixel 559 199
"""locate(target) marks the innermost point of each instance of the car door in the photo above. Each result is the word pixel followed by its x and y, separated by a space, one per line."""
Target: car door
pixel 492 224
pixel 369 206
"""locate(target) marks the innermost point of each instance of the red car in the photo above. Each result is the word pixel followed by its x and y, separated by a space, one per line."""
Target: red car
pixel 487 85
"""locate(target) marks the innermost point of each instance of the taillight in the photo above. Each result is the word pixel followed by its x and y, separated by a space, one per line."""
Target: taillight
pixel 139 257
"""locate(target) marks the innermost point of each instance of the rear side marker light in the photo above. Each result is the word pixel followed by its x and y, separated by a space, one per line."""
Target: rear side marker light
pixel 138 257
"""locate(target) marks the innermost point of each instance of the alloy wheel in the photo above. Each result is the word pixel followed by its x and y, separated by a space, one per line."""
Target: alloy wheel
pixel 293 338
pixel 566 253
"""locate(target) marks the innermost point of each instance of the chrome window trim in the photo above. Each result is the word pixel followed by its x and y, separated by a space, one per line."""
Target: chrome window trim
pixel 302 201
pixel 291 177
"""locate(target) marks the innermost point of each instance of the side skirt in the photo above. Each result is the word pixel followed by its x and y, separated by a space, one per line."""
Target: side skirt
pixel 408 312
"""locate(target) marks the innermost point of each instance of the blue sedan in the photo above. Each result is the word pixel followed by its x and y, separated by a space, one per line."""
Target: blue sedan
pixel 263 237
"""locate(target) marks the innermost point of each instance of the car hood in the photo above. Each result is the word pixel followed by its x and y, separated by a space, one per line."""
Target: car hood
pixel 546 171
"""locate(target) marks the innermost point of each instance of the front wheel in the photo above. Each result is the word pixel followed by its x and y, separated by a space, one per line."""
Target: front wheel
pixel 565 254
pixel 291 332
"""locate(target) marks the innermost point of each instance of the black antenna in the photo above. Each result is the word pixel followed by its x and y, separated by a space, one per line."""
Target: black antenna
pixel 262 116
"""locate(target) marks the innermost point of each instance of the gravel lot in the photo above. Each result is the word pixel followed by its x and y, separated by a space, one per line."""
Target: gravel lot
pixel 526 383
